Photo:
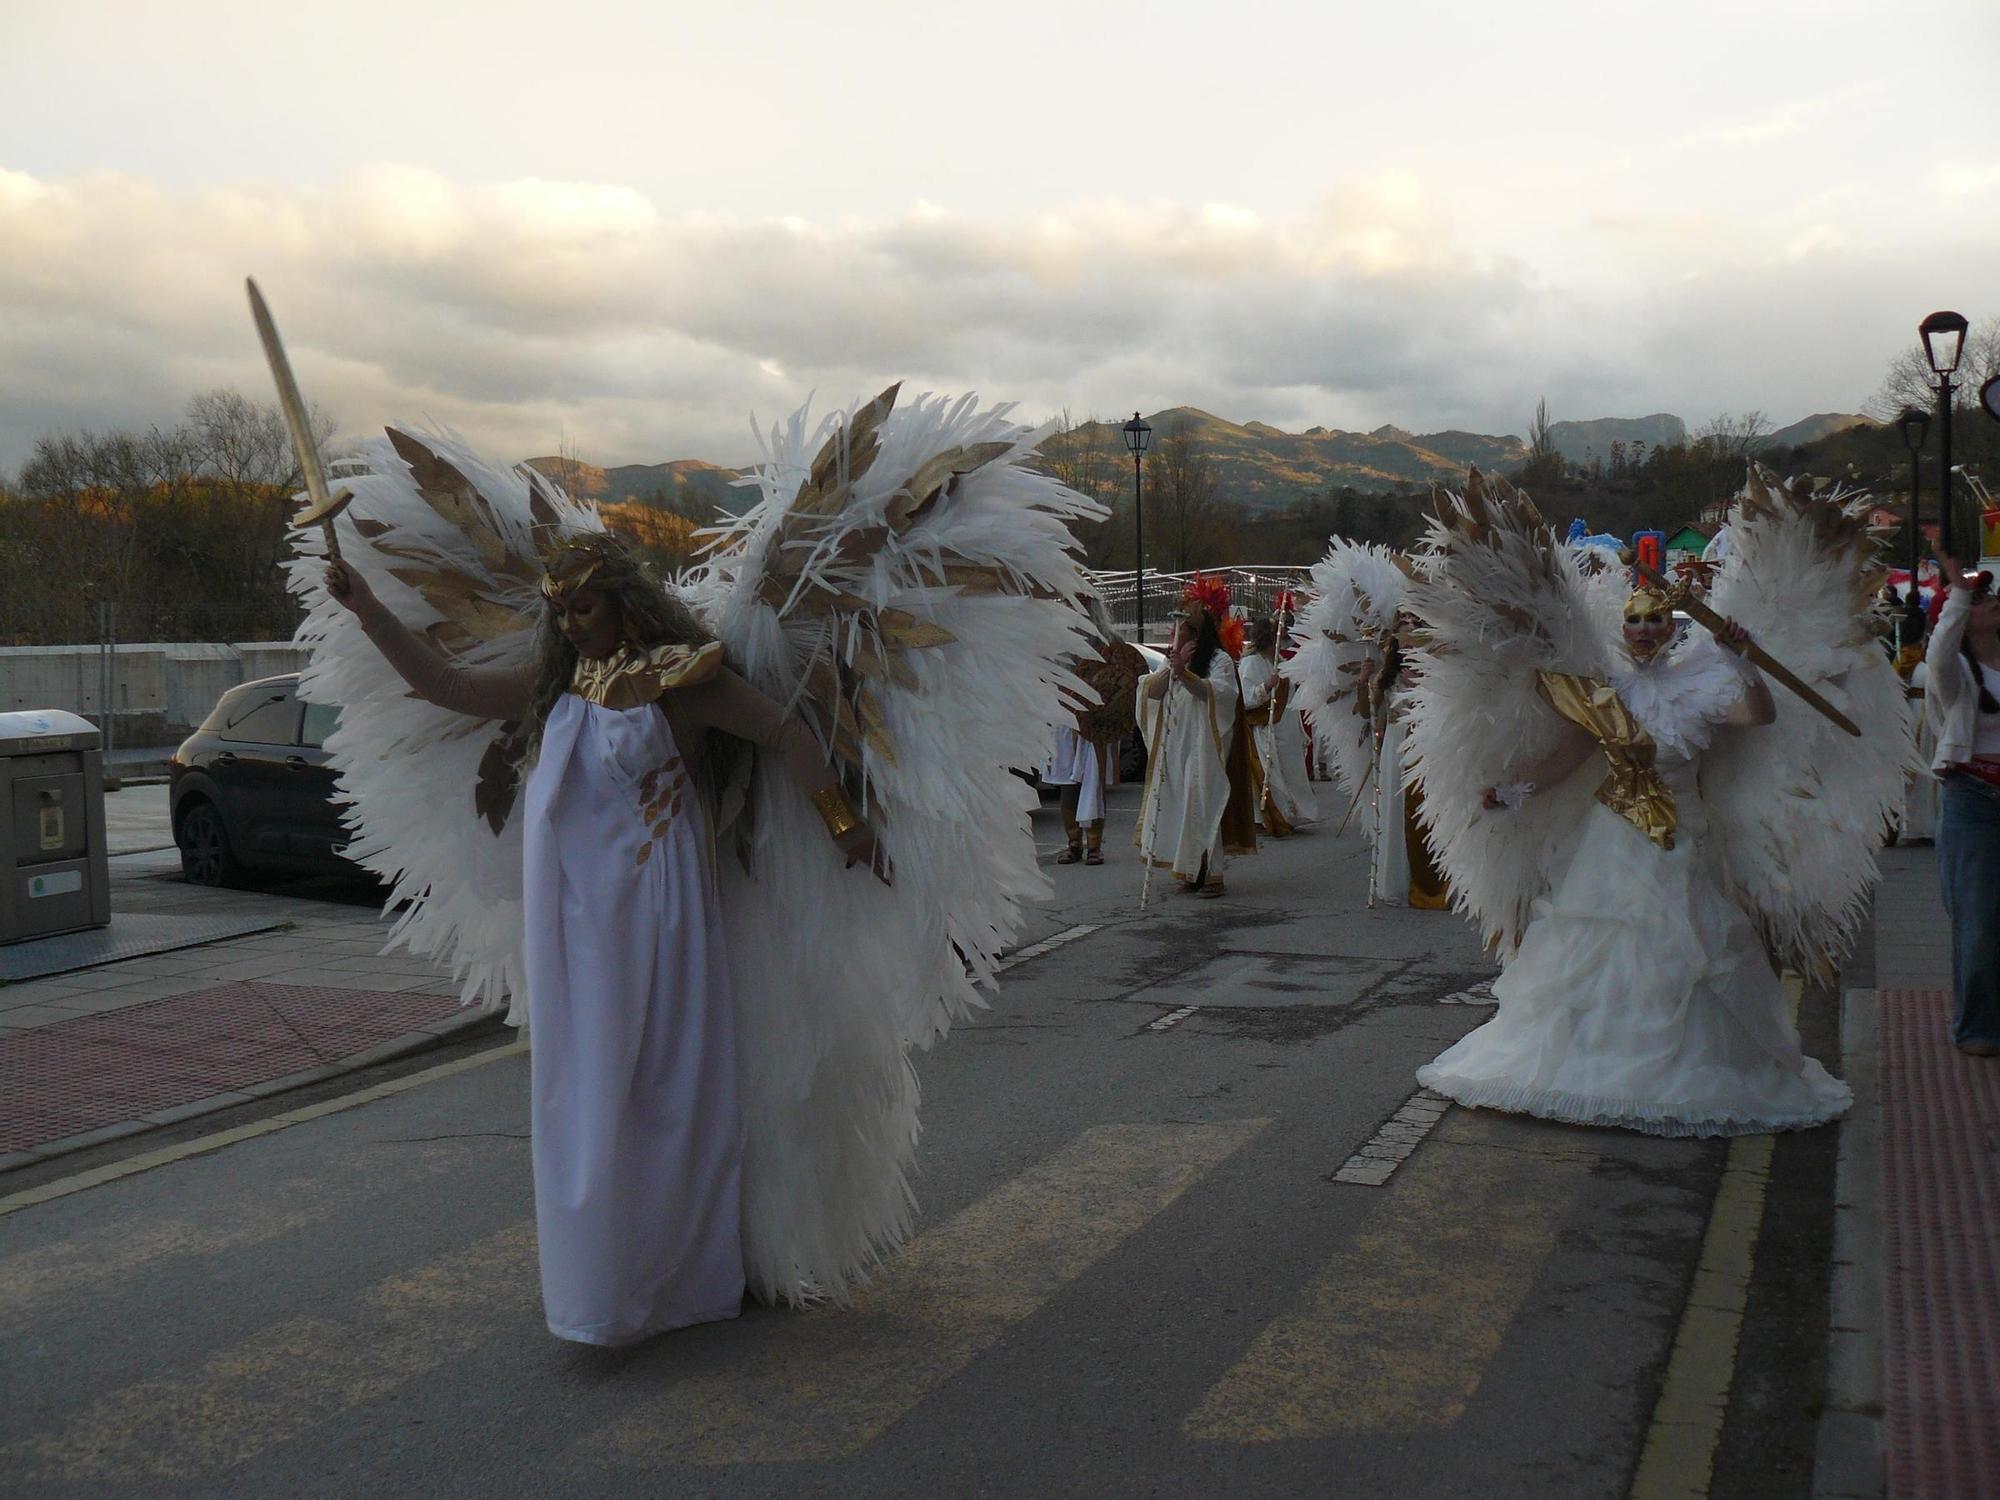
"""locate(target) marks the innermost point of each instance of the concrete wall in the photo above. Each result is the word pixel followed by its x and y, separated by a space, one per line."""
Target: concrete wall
pixel 160 690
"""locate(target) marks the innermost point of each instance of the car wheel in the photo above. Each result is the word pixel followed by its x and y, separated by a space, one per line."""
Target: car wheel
pixel 204 845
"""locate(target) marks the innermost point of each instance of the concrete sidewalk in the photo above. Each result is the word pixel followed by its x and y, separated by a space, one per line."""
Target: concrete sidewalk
pixel 1914 1346
pixel 113 1046
pixel 191 1026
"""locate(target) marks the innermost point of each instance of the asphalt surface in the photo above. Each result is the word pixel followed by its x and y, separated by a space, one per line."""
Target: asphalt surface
pixel 1133 1272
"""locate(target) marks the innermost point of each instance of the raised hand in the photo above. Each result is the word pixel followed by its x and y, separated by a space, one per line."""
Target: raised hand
pixel 1956 574
pixel 1732 635
pixel 348 588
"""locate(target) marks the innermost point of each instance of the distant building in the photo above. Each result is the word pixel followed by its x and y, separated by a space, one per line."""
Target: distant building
pixel 1687 543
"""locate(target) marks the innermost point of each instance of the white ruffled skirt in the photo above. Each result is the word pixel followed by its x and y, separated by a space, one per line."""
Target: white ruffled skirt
pixel 1641 997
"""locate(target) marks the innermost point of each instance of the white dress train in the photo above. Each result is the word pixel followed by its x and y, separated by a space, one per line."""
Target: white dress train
pixel 1641 997
pixel 638 1141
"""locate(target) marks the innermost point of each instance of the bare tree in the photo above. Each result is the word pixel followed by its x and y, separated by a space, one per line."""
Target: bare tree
pixel 1183 510
pixel 242 450
pixel 1545 465
pixel 1734 436
pixel 1087 458
pixel 1909 381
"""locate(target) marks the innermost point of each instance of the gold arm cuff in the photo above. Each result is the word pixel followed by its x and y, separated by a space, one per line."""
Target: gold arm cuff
pixel 834 811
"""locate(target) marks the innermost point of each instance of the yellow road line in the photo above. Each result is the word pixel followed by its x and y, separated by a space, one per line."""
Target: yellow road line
pixel 825 1383
pixel 1395 1333
pixel 62 1187
pixel 1679 1455
pixel 1678 1460
pixel 290 1377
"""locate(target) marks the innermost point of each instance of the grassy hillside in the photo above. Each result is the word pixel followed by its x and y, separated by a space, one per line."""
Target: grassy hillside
pixel 693 482
pixel 1260 467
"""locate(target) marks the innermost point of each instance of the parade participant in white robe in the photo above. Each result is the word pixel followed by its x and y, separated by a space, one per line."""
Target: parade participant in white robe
pixel 1404 872
pixel 637 1136
pixel 1084 760
pixel 1277 741
pixel 1647 835
pixel 1196 809
pixel 1077 767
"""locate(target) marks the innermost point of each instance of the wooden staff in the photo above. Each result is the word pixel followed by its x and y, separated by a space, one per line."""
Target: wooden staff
pixel 1714 623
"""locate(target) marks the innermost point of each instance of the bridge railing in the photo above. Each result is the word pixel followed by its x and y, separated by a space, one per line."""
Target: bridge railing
pixel 1256 588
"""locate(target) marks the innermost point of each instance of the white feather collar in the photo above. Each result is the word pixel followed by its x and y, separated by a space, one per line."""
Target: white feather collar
pixel 1681 695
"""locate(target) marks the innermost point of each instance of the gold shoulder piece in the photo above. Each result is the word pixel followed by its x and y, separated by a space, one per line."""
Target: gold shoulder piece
pixel 1634 789
pixel 633 676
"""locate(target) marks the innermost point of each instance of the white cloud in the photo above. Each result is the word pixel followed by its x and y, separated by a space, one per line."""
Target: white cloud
pixel 531 312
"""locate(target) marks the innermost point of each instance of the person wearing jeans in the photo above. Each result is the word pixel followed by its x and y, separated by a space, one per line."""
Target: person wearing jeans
pixel 1962 699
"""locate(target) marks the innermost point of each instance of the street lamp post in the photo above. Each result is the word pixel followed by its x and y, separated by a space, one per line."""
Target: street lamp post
pixel 1916 425
pixel 1943 334
pixel 1137 435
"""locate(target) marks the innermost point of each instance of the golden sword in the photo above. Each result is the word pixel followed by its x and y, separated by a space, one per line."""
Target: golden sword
pixel 1702 615
pixel 323 505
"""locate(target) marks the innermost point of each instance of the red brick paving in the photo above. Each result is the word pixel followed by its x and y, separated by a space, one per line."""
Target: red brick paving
pixel 73 1076
pixel 1941 1207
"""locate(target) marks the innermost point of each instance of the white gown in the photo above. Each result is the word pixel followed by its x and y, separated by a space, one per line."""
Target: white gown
pixel 638 1141
pixel 1187 770
pixel 1074 761
pixel 1391 857
pixel 1281 747
pixel 1641 996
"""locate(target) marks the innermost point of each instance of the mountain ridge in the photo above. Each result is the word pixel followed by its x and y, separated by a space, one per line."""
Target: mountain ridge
pixel 1257 466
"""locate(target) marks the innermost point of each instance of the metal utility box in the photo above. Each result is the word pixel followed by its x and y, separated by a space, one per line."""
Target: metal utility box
pixel 52 872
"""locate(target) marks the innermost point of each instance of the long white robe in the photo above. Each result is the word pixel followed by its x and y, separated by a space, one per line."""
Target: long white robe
pixel 1386 817
pixel 1075 761
pixel 1187 769
pixel 638 1141
pixel 1280 748
pixel 1641 995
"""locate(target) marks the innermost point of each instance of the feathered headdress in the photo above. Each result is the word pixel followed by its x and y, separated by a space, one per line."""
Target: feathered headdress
pixel 1207 594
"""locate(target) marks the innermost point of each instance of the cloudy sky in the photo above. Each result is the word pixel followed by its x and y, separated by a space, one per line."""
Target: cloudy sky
pixel 633 227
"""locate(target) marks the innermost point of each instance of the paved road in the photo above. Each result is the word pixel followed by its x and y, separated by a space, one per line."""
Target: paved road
pixel 1136 1270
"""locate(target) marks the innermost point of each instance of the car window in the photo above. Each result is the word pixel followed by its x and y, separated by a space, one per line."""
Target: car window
pixel 266 718
pixel 321 720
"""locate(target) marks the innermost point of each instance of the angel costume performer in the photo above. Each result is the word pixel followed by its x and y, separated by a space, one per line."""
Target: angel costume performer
pixel 1718 830
pixel 1197 806
pixel 721 1004
pixel 1277 743
pixel 1350 674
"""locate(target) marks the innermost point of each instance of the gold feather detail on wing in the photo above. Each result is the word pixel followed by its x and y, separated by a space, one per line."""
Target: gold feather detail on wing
pixel 844 458
pixel 499 778
pixel 454 497
pixel 462 600
pixel 1114 676
pixel 935 477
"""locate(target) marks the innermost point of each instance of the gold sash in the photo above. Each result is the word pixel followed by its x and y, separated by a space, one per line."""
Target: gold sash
pixel 1634 789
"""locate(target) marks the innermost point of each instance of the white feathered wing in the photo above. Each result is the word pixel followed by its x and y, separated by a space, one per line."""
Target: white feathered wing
pixel 1797 809
pixel 1357 590
pixel 448 543
pixel 904 581
pixel 1500 598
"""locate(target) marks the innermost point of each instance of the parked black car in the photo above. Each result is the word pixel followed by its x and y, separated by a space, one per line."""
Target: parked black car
pixel 252 790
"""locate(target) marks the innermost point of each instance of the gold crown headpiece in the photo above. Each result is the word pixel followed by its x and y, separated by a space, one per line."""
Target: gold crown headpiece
pixel 1651 599
pixel 571 559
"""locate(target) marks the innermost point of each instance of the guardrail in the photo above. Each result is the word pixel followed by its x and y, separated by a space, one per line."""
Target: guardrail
pixel 1255 586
